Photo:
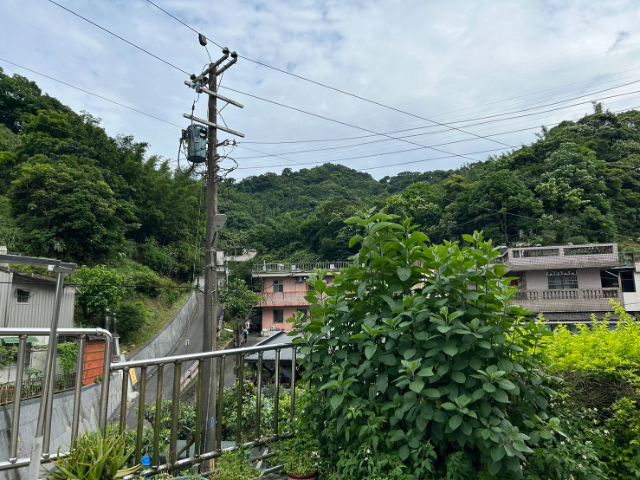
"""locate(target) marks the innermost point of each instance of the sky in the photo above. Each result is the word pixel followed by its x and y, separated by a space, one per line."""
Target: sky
pixel 459 80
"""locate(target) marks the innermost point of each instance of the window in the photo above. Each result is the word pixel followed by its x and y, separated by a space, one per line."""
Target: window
pixel 562 279
pixel 628 282
pixel 278 316
pixel 23 296
pixel 302 310
pixel 608 279
pixel 278 286
pixel 520 282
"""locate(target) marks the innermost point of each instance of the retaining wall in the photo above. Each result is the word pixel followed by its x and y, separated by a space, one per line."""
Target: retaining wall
pixel 162 344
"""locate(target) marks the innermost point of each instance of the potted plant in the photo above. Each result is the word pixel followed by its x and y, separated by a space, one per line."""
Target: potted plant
pixel 95 457
pixel 233 466
pixel 300 457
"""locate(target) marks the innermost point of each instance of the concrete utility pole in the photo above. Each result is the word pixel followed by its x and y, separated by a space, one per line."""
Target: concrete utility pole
pixel 212 312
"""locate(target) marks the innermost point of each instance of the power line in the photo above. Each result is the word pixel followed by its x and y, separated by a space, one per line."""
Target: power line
pixel 257 97
pixel 119 37
pixel 90 93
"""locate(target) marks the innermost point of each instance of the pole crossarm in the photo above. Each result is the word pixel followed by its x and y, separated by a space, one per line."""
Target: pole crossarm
pixel 209 92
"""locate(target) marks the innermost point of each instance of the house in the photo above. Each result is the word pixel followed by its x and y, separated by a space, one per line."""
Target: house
pixel 629 272
pixel 27 301
pixel 566 283
pixel 283 287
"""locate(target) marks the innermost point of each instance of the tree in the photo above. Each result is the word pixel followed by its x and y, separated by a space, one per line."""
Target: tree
pixel 418 365
pixel 68 210
pixel 100 288
pixel 239 302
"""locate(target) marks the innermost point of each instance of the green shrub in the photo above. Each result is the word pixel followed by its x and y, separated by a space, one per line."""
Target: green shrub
pixel 418 361
pixel 68 355
pixel 96 457
pixel 619 444
pixel 131 317
pixel 232 466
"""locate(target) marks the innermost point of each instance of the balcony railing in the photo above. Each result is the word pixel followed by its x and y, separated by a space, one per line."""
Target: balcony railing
pixel 32 387
pixel 283 299
pixel 568 294
pixel 309 267
pixel 142 368
pixel 561 256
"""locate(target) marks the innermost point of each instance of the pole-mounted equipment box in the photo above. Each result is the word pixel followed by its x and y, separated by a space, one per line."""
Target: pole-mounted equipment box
pixel 196 138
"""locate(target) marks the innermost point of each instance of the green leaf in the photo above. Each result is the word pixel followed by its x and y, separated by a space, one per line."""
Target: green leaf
pixel 336 401
pixel 369 351
pixel 404 273
pixel 382 382
pixel 404 452
pixel 388 359
pixel 500 396
pixel 448 406
pixel 450 350
pixel 408 355
pixel 455 422
pixel 417 385
pixel 458 377
pixel 489 387
pixel 468 238
pixel 520 446
pixel 506 384
pixel 432 393
pixel 426 372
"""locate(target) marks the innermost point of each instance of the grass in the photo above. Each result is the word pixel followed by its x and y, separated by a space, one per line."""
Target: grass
pixel 160 313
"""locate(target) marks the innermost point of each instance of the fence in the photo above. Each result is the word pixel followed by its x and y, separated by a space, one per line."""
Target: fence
pixel 13 461
pixel 32 387
pixel 219 359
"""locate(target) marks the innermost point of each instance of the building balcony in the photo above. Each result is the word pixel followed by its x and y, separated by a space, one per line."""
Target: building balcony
pixel 561 256
pixel 293 269
pixel 570 300
pixel 284 299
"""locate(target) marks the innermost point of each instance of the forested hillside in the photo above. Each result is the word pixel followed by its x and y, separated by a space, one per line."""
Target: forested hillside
pixel 68 190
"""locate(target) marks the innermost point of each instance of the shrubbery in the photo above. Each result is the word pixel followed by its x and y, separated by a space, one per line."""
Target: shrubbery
pixel 427 372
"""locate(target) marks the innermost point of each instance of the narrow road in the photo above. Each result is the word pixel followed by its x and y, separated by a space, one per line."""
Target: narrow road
pixel 195 338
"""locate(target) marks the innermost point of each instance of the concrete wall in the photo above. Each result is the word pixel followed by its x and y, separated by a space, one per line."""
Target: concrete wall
pixel 62 415
pixel 588 278
pixel 267 317
pixel 165 341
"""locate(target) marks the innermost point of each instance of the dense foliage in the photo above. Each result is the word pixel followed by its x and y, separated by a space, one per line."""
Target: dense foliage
pixel 427 371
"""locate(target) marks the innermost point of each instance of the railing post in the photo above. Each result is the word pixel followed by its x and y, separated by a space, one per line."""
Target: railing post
pixel 156 424
pixel 175 413
pixel 259 396
pixel 141 405
pixel 78 390
pixel 239 400
pixel 276 400
pixel 198 413
pixel 104 393
pixel 123 399
pixel 17 398
pixel 293 383
pixel 220 404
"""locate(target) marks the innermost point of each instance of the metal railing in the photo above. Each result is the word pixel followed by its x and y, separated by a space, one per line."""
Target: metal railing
pixel 307 267
pixel 159 364
pixel 219 357
pixel 32 387
pixel 81 333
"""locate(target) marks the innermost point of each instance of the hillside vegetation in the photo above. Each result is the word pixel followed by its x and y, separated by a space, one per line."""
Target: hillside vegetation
pixel 70 191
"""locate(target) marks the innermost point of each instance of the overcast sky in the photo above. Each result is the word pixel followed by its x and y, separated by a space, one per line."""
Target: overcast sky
pixel 499 68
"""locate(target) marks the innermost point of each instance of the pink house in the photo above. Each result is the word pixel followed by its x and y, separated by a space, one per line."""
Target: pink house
pixel 284 286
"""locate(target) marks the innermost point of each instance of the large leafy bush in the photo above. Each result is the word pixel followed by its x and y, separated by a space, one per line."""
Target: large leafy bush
pixel 418 364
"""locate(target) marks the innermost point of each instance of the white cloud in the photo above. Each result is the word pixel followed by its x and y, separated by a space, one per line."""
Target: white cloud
pixel 442 60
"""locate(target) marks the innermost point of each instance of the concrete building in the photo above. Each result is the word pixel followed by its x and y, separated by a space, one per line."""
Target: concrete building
pixel 566 283
pixel 283 287
pixel 629 272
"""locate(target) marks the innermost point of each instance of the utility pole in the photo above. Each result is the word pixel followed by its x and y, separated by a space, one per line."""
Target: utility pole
pixel 214 222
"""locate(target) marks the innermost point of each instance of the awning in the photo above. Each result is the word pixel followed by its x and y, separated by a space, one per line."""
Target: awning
pixel 17 339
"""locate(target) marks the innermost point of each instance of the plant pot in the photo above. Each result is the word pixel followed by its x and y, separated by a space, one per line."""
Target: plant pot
pixel 308 476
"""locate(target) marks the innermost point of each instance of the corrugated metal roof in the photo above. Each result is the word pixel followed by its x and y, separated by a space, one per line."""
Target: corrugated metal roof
pixel 270 356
